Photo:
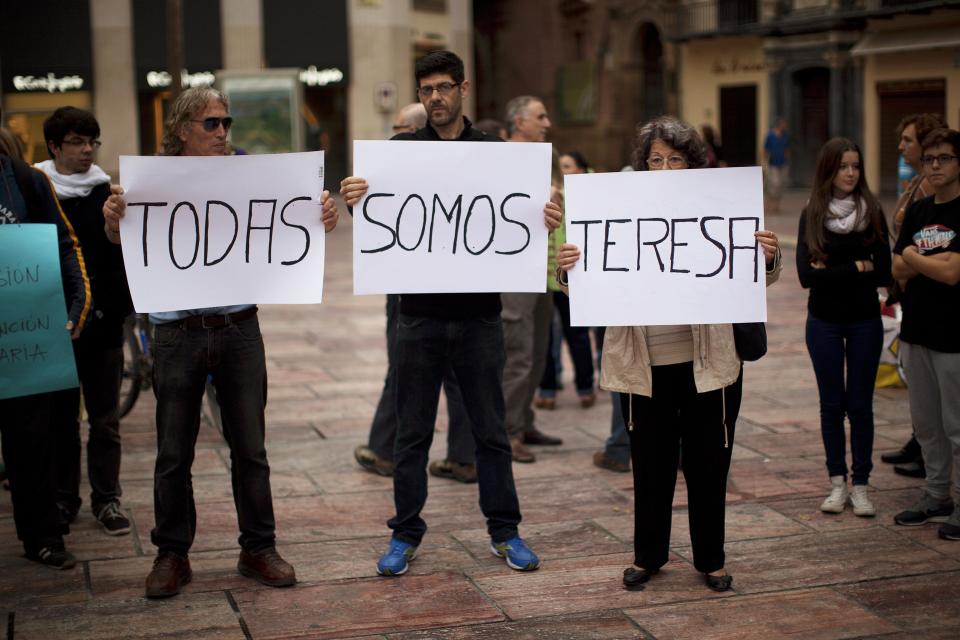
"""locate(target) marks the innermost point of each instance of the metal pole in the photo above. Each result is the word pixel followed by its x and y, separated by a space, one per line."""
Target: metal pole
pixel 175 46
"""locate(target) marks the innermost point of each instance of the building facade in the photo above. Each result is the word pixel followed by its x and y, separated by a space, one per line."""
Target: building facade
pixel 348 65
pixel 829 67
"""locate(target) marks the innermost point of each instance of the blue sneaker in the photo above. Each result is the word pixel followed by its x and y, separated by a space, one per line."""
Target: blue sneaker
pixel 517 553
pixel 397 559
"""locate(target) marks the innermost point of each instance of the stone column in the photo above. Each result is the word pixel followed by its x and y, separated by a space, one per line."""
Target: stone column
pixel 114 81
pixel 242 34
pixel 835 61
pixel 380 52
pixel 461 43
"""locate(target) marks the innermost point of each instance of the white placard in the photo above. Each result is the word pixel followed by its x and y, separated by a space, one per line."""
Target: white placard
pixel 223 230
pixel 666 247
pixel 450 217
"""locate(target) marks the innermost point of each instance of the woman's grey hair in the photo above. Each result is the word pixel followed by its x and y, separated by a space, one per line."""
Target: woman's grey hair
pixel 673 132
pixel 185 108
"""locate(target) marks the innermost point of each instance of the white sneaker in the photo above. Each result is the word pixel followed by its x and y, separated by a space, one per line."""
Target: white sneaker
pixel 837 499
pixel 861 503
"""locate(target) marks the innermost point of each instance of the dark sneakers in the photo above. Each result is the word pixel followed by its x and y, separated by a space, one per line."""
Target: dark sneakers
pixel 535 436
pixel 950 530
pixel 928 509
pixel 266 567
pixel 54 556
pixel 114 523
pixel 169 573
pixel 908 453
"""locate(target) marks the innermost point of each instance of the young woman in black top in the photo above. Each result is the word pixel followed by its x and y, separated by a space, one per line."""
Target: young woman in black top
pixel 843 255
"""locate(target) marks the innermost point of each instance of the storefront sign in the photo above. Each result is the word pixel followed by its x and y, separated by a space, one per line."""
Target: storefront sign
pixel 162 79
pixel 736 65
pixel 313 77
pixel 50 82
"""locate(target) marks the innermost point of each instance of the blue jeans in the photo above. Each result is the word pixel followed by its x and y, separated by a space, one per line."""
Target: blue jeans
pixel 617 446
pixel 426 348
pixel 855 346
pixel 183 358
pixel 581 352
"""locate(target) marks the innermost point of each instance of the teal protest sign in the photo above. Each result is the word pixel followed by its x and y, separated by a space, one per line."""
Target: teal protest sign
pixel 35 351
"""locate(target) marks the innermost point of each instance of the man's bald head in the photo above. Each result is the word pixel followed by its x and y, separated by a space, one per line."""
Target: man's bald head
pixel 410 118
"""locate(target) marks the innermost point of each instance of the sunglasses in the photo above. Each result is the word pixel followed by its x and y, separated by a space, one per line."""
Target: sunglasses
pixel 212 124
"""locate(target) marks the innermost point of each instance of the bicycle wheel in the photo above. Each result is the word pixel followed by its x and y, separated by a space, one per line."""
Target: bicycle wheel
pixel 132 378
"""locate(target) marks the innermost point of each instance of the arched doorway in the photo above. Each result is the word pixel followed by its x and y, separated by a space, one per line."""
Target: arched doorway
pixel 811 125
pixel 649 48
pixel 643 93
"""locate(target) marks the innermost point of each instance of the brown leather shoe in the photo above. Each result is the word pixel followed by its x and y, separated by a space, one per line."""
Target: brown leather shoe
pixel 587 400
pixel 520 452
pixel 535 436
pixel 602 460
pixel 369 460
pixel 466 473
pixel 548 404
pixel 169 573
pixel 266 567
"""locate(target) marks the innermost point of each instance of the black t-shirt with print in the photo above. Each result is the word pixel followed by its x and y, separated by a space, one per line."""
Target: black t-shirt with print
pixel 931 309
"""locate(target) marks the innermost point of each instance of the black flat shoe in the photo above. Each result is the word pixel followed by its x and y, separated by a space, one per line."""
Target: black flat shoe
pixel 633 579
pixel 719 583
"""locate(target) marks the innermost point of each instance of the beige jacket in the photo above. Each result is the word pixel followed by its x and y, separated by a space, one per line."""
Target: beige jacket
pixel 626 361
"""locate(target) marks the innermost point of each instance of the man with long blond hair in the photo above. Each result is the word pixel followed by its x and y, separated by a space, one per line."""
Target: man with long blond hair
pixel 189 346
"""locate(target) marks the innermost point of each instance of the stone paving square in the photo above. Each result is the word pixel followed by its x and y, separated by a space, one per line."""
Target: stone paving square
pixel 798 573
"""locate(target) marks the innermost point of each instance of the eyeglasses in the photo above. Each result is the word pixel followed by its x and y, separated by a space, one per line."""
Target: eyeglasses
pixel 943 159
pixel 444 88
pixel 674 162
pixel 82 142
pixel 213 123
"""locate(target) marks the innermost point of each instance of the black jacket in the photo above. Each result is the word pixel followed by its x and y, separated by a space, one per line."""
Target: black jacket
pixel 104 263
pixel 450 306
pixel 839 292
pixel 30 199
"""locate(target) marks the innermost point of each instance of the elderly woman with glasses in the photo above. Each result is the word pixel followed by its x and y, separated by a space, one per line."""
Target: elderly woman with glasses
pixel 680 386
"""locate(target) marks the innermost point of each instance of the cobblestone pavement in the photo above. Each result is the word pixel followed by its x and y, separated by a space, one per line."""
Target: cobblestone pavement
pixel 798 572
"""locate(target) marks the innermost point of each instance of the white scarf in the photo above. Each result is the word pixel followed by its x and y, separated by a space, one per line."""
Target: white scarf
pixel 75 185
pixel 846 215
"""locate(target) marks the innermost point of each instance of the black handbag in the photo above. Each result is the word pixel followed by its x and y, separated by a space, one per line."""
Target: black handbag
pixel 750 338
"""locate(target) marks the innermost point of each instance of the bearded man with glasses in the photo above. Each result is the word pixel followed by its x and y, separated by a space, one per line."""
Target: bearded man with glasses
pixel 82 187
pixel 189 345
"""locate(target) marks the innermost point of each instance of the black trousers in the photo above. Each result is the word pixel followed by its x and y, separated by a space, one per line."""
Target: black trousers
pixel 426 348
pixel 383 430
pixel 100 369
pixel 183 358
pixel 702 424
pixel 26 425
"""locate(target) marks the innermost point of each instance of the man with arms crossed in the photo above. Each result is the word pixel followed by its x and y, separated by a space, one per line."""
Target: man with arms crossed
pixel 927 256
pixel 189 345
